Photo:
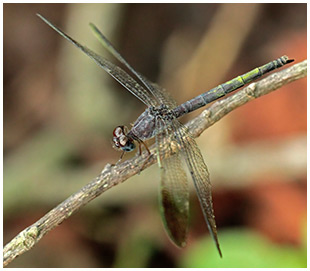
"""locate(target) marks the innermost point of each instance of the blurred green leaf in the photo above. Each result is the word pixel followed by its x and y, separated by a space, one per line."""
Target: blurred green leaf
pixel 243 248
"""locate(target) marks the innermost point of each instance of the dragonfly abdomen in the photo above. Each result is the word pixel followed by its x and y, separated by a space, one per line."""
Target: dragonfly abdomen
pixel 229 86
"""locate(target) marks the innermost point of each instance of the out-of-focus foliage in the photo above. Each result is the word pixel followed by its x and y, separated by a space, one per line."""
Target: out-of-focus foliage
pixel 244 248
pixel 60 110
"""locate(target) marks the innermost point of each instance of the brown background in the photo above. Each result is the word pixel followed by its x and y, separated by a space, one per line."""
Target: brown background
pixel 60 110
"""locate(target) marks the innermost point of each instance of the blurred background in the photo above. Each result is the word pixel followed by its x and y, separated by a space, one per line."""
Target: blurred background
pixel 60 110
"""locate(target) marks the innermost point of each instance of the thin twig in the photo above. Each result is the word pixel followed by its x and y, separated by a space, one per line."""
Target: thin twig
pixel 114 175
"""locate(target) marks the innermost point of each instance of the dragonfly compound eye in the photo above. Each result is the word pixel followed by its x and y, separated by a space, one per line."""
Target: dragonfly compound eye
pixel 124 143
pixel 116 142
pixel 123 140
pixel 118 131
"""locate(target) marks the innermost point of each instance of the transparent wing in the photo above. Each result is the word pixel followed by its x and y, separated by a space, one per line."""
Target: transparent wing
pixel 200 175
pixel 108 45
pixel 162 95
pixel 174 193
pixel 116 72
pixel 158 93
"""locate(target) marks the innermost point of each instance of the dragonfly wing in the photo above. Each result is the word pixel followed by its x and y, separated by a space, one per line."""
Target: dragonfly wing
pixel 116 72
pixel 108 45
pixel 174 193
pixel 158 93
pixel 200 176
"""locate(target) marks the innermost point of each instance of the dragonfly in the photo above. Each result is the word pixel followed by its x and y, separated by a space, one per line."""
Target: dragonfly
pixel 176 148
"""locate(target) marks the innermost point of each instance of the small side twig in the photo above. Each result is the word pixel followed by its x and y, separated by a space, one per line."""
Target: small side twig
pixel 114 175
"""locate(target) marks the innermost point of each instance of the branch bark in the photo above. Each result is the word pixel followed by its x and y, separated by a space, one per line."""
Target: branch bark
pixel 114 175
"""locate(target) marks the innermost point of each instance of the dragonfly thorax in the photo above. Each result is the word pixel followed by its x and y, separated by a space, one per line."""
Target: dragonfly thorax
pixel 121 140
pixel 145 126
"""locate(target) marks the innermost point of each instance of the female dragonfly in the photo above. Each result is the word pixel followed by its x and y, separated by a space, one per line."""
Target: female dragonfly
pixel 174 144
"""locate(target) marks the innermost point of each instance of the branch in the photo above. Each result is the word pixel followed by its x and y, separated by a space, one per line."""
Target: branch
pixel 114 175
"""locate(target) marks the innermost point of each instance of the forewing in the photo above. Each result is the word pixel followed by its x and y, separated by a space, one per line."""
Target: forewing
pixel 161 96
pixel 174 194
pixel 116 72
pixel 108 45
pixel 200 176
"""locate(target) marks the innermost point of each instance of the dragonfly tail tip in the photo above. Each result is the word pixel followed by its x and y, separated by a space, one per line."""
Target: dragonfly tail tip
pixel 219 251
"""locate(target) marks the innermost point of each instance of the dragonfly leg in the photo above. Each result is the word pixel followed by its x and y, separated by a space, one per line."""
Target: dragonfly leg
pixel 146 147
pixel 121 157
pixel 140 153
pixel 119 160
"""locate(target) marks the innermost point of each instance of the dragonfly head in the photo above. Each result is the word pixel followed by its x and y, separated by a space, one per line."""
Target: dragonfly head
pixel 121 141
